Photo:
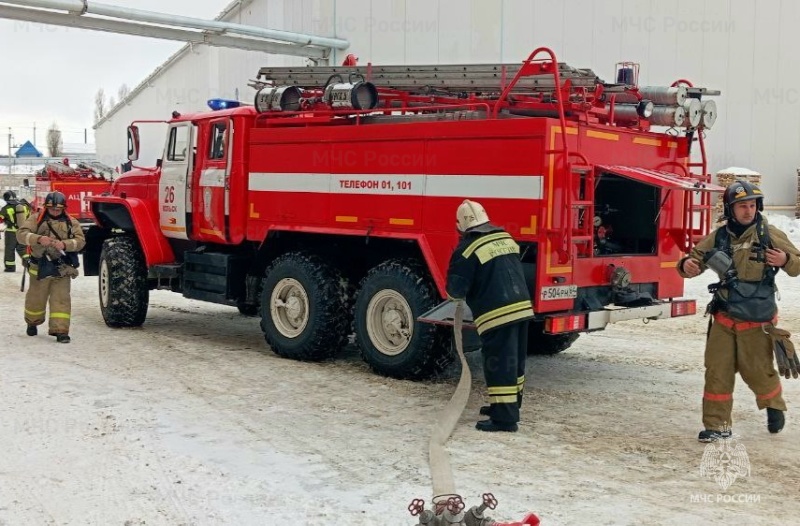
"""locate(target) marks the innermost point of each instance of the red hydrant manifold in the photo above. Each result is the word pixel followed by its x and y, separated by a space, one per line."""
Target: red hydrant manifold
pixel 449 510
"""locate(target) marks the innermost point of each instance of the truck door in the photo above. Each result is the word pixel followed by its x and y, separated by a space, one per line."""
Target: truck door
pixel 210 198
pixel 175 191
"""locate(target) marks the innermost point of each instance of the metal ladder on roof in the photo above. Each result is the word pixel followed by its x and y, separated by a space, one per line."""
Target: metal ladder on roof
pixel 430 79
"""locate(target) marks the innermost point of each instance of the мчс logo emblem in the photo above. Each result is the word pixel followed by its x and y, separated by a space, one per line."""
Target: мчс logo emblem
pixel 725 460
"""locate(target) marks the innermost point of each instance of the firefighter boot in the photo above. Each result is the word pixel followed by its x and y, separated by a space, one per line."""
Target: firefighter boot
pixel 775 420
pixel 710 435
pixel 31 330
pixel 491 426
pixel 62 338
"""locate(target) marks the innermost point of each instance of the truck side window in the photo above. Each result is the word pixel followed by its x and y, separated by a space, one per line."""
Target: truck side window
pixel 178 143
pixel 218 141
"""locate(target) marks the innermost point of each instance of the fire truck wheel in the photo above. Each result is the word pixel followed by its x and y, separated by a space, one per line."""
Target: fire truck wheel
pixel 540 343
pixel 392 342
pixel 303 314
pixel 124 292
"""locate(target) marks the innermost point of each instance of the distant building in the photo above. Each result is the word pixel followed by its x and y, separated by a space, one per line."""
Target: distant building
pixel 28 150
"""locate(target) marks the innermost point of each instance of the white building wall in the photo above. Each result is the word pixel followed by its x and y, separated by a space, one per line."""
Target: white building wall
pixel 741 48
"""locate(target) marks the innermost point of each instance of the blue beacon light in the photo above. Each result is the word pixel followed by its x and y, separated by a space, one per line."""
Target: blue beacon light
pixel 223 104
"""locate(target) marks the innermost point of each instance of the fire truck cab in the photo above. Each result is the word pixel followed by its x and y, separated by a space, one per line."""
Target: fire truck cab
pixel 328 207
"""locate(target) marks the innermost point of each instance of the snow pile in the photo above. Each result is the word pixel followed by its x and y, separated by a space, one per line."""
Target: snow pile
pixel 789 225
pixel 738 171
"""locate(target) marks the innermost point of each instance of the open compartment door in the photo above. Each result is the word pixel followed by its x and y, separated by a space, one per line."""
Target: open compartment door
pixel 666 180
pixel 679 205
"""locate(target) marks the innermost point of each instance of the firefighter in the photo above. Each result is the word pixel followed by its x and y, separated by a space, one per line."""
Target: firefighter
pixel 54 238
pixel 746 253
pixel 486 272
pixel 13 214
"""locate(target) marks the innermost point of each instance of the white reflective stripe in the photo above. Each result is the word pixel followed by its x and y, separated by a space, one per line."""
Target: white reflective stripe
pixel 290 182
pixel 212 177
pixel 499 186
pixel 492 186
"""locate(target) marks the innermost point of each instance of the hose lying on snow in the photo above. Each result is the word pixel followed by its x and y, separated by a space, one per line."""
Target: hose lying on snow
pixel 448 506
pixel 439 459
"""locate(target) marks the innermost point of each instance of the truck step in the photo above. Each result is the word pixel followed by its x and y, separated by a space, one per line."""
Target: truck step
pixel 165 271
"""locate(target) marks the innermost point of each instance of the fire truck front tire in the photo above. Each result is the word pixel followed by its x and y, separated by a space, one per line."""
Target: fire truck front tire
pixel 543 344
pixel 123 287
pixel 303 311
pixel 390 299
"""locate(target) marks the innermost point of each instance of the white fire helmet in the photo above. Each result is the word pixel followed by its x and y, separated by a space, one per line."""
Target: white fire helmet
pixel 470 214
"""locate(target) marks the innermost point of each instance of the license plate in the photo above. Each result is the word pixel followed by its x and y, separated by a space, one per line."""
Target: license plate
pixel 561 292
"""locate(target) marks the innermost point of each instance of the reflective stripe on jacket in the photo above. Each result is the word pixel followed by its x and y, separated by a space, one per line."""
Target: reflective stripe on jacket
pixel 485 270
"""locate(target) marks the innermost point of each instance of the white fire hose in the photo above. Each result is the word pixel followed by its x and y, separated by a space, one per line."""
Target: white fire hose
pixel 448 506
pixel 439 459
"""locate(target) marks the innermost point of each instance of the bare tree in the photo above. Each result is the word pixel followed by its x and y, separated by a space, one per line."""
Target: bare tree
pixel 122 92
pixel 99 105
pixel 54 144
pixel 111 102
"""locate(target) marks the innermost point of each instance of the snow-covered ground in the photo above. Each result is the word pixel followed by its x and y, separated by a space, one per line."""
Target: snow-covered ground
pixel 191 420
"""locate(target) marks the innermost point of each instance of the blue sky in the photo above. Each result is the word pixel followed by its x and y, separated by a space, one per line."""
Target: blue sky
pixel 51 73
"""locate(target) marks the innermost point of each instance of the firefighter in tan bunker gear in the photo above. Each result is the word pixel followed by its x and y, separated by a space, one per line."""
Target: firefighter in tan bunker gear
pixel 746 253
pixel 54 239
pixel 486 272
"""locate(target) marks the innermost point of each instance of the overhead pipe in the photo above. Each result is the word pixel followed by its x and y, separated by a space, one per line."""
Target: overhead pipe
pixel 165 33
pixel 84 7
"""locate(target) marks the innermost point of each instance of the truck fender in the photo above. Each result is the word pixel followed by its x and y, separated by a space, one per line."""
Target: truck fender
pixel 137 217
pixel 439 275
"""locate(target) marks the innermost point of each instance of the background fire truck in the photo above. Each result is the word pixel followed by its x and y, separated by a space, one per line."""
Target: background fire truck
pixel 77 183
pixel 328 206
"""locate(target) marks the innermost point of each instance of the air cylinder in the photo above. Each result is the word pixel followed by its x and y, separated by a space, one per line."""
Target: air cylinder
pixel 694 111
pixel 672 116
pixel 667 96
pixel 709 114
pixel 283 98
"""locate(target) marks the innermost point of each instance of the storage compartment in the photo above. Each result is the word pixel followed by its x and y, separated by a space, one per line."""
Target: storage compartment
pixel 625 216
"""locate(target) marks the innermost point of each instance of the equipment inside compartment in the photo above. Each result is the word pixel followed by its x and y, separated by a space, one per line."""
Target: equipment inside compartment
pixel 625 218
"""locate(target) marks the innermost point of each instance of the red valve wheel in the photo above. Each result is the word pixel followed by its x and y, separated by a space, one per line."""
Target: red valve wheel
pixel 489 501
pixel 455 505
pixel 416 507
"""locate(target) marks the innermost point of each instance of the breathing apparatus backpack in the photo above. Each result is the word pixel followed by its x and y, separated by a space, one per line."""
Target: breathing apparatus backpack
pixel 746 300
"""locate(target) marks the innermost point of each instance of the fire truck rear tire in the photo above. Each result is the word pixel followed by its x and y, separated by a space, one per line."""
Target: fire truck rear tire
pixel 543 344
pixel 303 311
pixel 390 298
pixel 124 291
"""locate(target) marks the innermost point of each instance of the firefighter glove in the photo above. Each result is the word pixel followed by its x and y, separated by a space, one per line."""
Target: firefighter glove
pixel 65 270
pixel 785 356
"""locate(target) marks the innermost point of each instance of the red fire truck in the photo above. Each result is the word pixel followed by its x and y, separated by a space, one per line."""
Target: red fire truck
pixel 85 179
pixel 328 206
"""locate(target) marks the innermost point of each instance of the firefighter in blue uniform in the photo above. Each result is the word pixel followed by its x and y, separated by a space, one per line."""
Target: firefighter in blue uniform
pixel 486 272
